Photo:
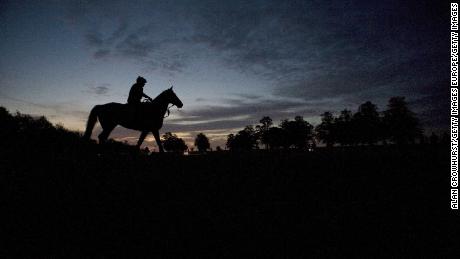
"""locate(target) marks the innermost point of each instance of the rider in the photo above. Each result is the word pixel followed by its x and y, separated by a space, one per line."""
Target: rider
pixel 137 92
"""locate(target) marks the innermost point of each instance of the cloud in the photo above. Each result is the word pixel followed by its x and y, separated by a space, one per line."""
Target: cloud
pixel 330 55
pixel 102 89
pixel 143 33
pixel 153 51
pixel 237 113
pixel 290 43
pixel 348 50
pixel 101 53
pixel 94 39
pixel 135 46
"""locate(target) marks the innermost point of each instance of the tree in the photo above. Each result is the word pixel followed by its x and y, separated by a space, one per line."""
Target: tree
pixel 172 143
pixel 298 132
pixel 344 128
pixel 9 124
pixel 276 137
pixel 262 130
pixel 202 142
pixel 230 141
pixel 325 130
pixel 245 139
pixel 401 125
pixel 367 124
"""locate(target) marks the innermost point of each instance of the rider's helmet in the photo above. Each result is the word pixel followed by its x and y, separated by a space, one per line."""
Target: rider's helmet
pixel 141 80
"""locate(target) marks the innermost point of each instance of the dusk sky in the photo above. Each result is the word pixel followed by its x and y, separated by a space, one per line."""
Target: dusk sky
pixel 231 62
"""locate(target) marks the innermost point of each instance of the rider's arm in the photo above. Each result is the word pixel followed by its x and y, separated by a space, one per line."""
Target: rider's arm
pixel 146 96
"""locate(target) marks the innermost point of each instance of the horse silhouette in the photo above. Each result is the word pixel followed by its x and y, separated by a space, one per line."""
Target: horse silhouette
pixel 145 117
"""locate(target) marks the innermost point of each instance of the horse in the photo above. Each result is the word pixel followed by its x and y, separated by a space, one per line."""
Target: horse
pixel 145 117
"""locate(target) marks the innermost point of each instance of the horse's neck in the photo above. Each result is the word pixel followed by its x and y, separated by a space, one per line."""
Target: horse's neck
pixel 163 108
pixel 161 104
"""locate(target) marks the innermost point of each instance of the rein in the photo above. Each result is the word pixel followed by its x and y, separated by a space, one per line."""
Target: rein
pixel 167 110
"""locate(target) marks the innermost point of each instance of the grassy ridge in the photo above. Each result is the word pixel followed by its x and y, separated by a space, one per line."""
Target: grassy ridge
pixel 64 196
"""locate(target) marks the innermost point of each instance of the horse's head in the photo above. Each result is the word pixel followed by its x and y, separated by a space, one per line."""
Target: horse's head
pixel 172 98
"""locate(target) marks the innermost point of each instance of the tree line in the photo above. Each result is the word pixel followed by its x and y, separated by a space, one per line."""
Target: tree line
pixel 397 124
pixel 367 126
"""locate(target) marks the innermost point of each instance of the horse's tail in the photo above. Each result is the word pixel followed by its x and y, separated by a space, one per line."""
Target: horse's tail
pixel 92 119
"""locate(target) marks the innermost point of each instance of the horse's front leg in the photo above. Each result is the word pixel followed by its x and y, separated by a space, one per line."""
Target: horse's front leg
pixel 141 138
pixel 156 134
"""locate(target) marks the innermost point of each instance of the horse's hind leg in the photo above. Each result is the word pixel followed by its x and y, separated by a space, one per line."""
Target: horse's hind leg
pixel 105 133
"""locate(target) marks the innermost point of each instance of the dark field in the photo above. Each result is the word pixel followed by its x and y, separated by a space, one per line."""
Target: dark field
pixel 81 199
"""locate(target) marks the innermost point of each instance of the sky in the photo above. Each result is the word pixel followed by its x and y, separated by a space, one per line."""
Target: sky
pixel 231 62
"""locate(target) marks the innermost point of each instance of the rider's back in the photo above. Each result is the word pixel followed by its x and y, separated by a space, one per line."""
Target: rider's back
pixel 135 94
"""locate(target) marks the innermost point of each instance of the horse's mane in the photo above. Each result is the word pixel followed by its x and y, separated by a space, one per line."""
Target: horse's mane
pixel 160 96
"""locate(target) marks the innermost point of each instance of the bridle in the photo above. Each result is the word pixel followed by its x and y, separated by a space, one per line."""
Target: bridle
pixel 169 107
pixel 167 110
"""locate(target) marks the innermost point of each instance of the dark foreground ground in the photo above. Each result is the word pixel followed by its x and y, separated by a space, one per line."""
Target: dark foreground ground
pixel 83 200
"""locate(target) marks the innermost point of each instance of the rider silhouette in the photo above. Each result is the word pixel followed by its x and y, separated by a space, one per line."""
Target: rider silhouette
pixel 137 92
